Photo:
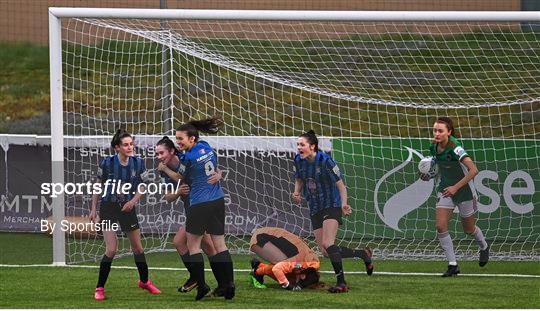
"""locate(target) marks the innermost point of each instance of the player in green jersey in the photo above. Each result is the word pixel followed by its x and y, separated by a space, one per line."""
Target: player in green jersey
pixel 455 189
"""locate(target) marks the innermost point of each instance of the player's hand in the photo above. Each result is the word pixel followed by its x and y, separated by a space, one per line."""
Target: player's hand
pixel 424 177
pixel 93 216
pixel 297 198
pixel 128 207
pixel 450 191
pixel 346 209
pixel 184 190
pixel 161 167
pixel 215 178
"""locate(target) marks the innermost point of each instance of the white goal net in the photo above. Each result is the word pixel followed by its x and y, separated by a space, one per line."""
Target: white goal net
pixel 371 89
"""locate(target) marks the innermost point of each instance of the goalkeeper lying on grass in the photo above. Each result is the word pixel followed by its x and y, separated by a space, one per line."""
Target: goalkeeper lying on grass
pixel 291 262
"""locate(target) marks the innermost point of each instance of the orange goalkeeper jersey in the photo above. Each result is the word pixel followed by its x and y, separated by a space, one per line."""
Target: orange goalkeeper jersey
pixel 305 254
pixel 306 257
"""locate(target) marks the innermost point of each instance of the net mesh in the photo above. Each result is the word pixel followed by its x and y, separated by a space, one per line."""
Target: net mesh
pixel 370 90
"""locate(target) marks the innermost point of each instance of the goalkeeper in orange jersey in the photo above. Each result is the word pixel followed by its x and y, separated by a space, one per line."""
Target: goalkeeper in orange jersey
pixel 291 262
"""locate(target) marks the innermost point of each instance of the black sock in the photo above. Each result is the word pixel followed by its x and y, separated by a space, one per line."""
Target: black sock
pixel 334 254
pixel 217 270
pixel 353 253
pixel 104 269
pixel 140 261
pixel 196 262
pixel 187 264
pixel 224 268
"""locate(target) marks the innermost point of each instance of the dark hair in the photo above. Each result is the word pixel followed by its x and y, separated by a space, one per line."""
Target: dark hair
pixel 167 142
pixel 312 277
pixel 311 139
pixel 192 128
pixel 118 136
pixel 449 125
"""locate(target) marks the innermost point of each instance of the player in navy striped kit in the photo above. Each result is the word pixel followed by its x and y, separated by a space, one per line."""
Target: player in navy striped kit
pixel 206 211
pixel 116 206
pixel 318 177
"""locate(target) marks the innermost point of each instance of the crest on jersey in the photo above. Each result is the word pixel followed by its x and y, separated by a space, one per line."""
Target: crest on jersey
pixel 311 185
pixel 201 151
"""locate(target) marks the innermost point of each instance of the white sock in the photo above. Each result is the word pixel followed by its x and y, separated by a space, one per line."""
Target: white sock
pixel 448 247
pixel 480 239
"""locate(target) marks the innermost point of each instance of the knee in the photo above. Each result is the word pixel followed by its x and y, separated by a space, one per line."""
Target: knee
pixel 138 250
pixel 110 253
pixel 469 230
pixel 325 245
pixel 441 228
pixel 177 242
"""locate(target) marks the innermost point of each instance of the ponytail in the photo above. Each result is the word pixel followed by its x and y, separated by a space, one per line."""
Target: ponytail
pixel 192 128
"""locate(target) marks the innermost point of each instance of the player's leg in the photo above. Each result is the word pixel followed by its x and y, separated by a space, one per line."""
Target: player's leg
pixel 365 254
pixel 467 212
pixel 196 261
pixel 180 243
pixel 222 259
pixel 223 267
pixel 266 250
pixel 111 244
pixel 329 232
pixel 443 214
pixel 144 282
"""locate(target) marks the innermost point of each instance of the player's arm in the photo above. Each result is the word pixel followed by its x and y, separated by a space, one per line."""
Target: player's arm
pixel 472 171
pixel 138 195
pixel 215 177
pixel 175 176
pixel 335 175
pixel 296 196
pixel 141 189
pixel 93 205
pixel 182 191
pixel 345 207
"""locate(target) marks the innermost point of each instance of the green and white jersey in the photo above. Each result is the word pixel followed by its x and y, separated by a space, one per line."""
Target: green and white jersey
pixel 451 170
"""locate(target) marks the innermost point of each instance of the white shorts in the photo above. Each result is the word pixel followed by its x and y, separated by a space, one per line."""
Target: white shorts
pixel 466 208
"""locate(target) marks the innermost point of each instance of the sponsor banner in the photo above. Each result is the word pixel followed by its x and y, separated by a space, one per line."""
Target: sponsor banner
pixel 390 201
pixel 257 179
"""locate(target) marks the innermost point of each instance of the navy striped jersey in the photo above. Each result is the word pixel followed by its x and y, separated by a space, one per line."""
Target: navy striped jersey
pixel 180 170
pixel 198 164
pixel 110 169
pixel 319 178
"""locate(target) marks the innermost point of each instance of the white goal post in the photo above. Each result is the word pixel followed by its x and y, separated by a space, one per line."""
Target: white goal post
pixel 371 83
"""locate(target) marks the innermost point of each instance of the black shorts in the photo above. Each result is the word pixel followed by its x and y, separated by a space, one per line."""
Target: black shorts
pixel 206 217
pixel 327 213
pixel 284 245
pixel 112 212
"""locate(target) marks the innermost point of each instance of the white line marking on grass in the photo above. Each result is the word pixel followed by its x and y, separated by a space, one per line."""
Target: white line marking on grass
pixel 248 270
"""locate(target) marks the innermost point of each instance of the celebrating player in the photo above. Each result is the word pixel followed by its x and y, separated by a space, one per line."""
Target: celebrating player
pixel 206 211
pixel 120 207
pixel 292 263
pixel 318 177
pixel 455 188
pixel 171 172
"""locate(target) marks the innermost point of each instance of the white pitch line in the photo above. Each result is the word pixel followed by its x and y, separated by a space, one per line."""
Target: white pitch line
pixel 248 270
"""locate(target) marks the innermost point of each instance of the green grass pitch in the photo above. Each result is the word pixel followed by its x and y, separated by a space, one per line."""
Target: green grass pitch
pixel 72 287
